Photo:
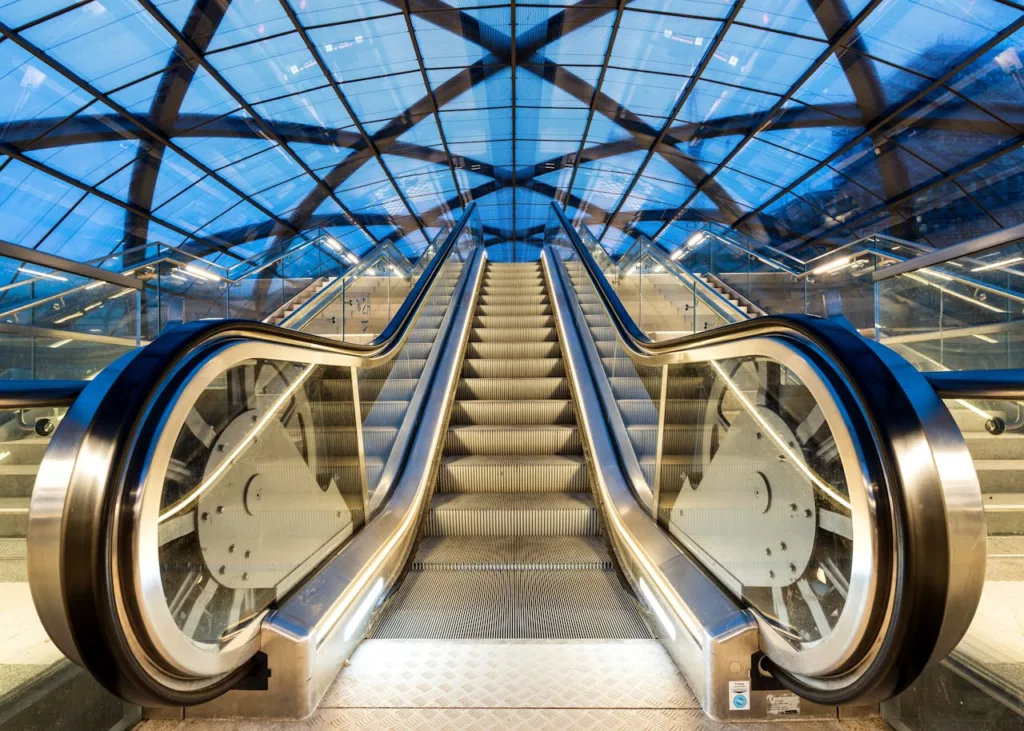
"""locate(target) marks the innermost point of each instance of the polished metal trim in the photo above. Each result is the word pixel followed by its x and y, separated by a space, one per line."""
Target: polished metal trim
pixel 996 385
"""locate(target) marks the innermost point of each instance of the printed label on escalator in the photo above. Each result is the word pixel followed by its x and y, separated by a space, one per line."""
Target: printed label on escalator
pixel 739 695
pixel 783 705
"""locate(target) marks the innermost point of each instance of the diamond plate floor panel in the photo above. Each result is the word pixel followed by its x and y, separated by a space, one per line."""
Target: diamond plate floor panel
pixel 510 674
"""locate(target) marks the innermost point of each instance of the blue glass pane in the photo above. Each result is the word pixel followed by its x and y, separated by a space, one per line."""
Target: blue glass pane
pixel 273 68
pixel 761 59
pixel 652 42
pixel 366 48
pixel 74 38
pixel 929 35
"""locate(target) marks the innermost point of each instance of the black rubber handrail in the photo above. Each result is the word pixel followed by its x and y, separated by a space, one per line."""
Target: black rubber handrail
pixel 21 394
pixel 889 401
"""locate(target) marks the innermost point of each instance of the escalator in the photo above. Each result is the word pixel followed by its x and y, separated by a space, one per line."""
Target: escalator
pixel 512 546
pixel 511 475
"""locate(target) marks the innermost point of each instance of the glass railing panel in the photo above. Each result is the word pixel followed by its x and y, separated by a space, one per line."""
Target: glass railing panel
pixel 37 296
pixel 262 482
pixel 26 356
pixel 939 322
pixel 386 391
pixel 635 388
pixel 29 655
pixel 752 482
pixel 991 654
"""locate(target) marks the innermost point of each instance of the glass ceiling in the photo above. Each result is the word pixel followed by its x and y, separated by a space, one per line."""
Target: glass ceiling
pixel 224 126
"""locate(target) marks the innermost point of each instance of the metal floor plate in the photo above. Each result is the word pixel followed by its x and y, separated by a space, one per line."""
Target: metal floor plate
pixel 533 685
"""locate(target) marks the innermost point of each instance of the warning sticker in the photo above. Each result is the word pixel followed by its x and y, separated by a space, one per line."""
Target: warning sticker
pixel 739 695
pixel 783 705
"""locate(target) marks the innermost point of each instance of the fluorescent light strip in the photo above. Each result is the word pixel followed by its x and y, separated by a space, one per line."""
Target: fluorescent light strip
pixel 120 294
pixel 72 316
pixel 200 273
pixel 997 264
pixel 59 343
pixel 364 608
pixel 833 266
pixel 659 611
pixel 986 339
pixel 44 275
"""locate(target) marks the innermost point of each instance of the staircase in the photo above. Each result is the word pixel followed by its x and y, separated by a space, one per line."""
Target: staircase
pixel 512 546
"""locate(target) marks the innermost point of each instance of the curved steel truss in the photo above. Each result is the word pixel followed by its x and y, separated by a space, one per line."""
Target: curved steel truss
pixel 237 123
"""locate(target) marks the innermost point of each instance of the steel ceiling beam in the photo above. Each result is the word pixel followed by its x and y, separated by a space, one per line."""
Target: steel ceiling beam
pixel 676 108
pixel 619 12
pixel 433 100
pixel 513 62
pixel 367 140
pixel 835 43
pixel 893 113
pixel 200 58
pixel 149 130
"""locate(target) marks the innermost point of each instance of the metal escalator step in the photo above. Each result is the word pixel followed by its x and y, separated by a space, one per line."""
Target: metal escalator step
pixel 492 283
pixel 528 473
pixel 510 553
pixel 384 413
pixel 519 439
pixel 387 389
pixel 512 605
pixel 547 411
pixel 500 389
pixel 333 413
pixel 342 440
pixel 678 439
pixel 516 310
pixel 17 480
pixel 513 322
pixel 517 368
pixel 13 517
pixel 516 514
pixel 514 351
pixel 508 299
pixel 512 335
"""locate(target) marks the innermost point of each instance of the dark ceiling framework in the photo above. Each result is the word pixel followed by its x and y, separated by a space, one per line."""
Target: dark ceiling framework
pixel 165 123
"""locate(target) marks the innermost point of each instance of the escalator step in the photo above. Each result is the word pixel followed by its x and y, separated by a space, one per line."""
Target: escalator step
pixel 493 389
pixel 514 351
pixel 509 553
pixel 517 368
pixel 513 440
pixel 482 473
pixel 512 335
pixel 510 605
pixel 515 514
pixel 548 411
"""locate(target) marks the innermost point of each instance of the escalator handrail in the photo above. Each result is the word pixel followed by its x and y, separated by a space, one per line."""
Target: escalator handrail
pixel 932 594
pixel 94 450
pixel 19 394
